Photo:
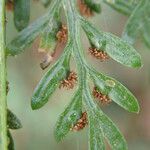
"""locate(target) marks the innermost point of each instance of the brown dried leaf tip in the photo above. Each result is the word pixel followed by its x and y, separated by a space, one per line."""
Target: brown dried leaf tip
pixel 84 9
pixel 70 81
pixel 46 61
pixel 81 123
pixel 104 99
pixel 99 54
pixel 62 34
pixel 10 5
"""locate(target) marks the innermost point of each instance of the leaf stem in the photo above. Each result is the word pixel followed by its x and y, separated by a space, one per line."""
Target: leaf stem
pixel 73 23
pixel 3 102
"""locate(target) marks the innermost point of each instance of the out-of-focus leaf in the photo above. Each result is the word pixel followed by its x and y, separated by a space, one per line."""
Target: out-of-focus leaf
pixel 21 13
pixel 115 47
pixel 28 35
pixel 124 6
pixel 51 81
pixel 115 91
pixel 96 7
pixel 138 23
pixel 109 130
pixel 12 121
pixel 146 30
pixel 10 141
pixel 46 2
pixel 69 117
pixel 96 139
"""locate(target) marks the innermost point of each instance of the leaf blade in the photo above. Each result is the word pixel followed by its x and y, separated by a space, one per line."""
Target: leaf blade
pixel 96 139
pixel 26 36
pixel 12 121
pixel 21 13
pixel 29 34
pixel 69 117
pixel 133 24
pixel 112 133
pixel 115 47
pixel 138 24
pixel 116 91
pixel 125 7
pixel 109 130
pixel 50 81
pixel 47 86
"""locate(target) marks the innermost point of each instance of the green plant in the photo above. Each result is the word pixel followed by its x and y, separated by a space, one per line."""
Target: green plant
pixel 3 106
pixel 138 22
pixel 103 45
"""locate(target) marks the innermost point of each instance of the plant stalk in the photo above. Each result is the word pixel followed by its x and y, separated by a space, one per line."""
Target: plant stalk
pixel 3 99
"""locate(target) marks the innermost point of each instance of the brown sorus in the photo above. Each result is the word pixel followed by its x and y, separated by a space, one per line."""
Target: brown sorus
pixel 81 123
pixel 104 99
pixel 84 9
pixel 99 54
pixel 70 81
pixel 62 34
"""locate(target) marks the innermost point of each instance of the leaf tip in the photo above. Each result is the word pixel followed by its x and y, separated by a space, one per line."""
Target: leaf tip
pixel 58 137
pixel 135 108
pixel 137 62
pixel 20 125
pixel 35 105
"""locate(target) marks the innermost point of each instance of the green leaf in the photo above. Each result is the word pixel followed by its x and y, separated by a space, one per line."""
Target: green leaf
pixel 69 117
pixel 115 91
pixel 96 139
pixel 146 31
pixel 48 85
pixel 138 23
pixel 12 121
pixel 115 47
pixel 10 141
pixel 21 13
pixel 96 7
pixel 29 34
pixel 123 6
pixel 51 80
pixel 109 130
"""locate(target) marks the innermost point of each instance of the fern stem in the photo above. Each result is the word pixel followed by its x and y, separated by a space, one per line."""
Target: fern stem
pixel 73 24
pixel 3 102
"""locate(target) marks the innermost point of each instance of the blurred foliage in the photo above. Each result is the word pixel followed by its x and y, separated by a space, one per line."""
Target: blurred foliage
pixel 139 17
pixel 125 7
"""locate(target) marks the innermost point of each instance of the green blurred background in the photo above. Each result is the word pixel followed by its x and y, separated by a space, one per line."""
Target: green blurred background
pixel 24 73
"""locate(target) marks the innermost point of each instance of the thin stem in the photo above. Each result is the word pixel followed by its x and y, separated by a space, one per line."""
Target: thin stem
pixel 74 36
pixel 3 102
